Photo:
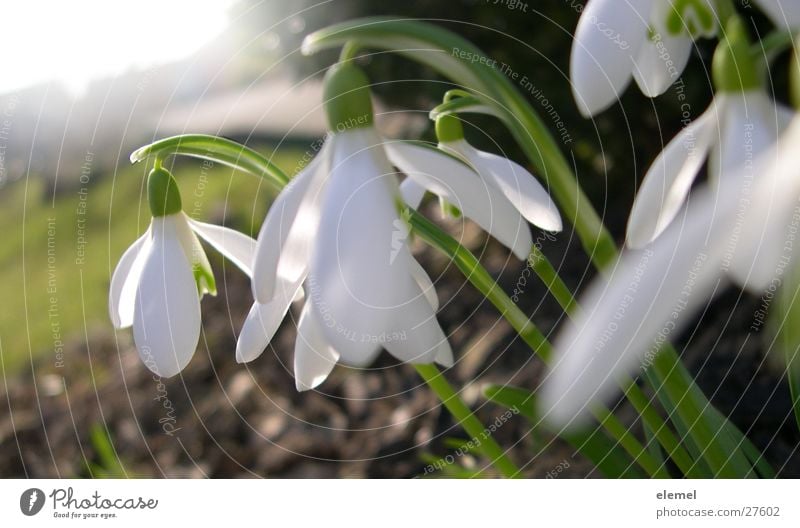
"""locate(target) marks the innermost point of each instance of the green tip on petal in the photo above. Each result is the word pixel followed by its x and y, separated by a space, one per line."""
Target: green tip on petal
pixel 448 128
pixel 692 16
pixel 733 67
pixel 449 210
pixel 162 193
pixel 347 97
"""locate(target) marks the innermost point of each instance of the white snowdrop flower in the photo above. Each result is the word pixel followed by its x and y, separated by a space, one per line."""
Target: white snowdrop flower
pixel 741 122
pixel 159 280
pixel 648 40
pixel 730 231
pixel 337 228
pixel 497 193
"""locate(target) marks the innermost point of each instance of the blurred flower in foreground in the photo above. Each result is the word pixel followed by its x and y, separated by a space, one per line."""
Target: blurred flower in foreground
pixel 496 192
pixel 730 230
pixel 648 40
pixel 337 227
pixel 160 279
pixel 741 123
pixel 731 132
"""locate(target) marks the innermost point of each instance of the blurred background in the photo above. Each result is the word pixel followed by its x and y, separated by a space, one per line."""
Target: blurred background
pixel 87 82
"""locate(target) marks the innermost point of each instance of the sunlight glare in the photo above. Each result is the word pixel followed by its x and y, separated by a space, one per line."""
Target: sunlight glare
pixel 75 42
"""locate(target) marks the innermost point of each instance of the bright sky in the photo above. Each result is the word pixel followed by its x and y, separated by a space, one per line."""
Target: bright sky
pixel 75 41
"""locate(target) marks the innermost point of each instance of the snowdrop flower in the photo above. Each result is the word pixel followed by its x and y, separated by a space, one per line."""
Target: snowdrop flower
pixel 507 194
pixel 729 231
pixel 337 228
pixel 741 122
pixel 158 282
pixel 647 40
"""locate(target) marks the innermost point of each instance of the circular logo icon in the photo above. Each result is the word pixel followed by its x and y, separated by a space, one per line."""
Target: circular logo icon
pixel 31 501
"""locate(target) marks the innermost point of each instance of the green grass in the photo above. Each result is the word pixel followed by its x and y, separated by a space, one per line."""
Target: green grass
pixel 50 292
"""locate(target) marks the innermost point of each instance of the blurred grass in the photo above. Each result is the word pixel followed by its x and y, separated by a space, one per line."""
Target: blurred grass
pixel 49 293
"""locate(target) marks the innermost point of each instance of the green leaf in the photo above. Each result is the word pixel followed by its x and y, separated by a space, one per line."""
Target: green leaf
pixel 604 453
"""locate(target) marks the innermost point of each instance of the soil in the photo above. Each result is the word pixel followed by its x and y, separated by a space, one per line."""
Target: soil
pixel 222 419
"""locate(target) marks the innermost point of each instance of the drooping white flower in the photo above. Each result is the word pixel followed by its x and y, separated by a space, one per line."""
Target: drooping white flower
pixel 337 228
pixel 647 40
pixel 729 231
pixel 730 134
pixel 500 199
pixel 159 280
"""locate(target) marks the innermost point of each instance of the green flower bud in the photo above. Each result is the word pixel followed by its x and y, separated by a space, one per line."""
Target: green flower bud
pixel 448 128
pixel 162 193
pixel 347 98
pixel 733 68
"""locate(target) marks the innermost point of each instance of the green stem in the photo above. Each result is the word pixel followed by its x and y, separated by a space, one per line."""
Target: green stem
pixel 471 424
pixel 216 149
pixel 349 51
pixel 480 278
pixel 724 10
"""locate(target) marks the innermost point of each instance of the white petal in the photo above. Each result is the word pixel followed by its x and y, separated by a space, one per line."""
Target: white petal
pixel 314 358
pixel 283 244
pixel 669 179
pixel 521 188
pixel 459 185
pixel 355 267
pixel 444 356
pixel 414 334
pixel 768 217
pixel 424 282
pixel 122 290
pixel 660 62
pixel 359 357
pixel 608 38
pixel 237 247
pixel 649 296
pixel 785 14
pixel 262 322
pixel 166 322
pixel 204 275
pixel 412 192
pixel 750 125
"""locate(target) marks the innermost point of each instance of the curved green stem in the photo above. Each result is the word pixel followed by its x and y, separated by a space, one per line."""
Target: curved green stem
pixel 724 10
pixel 217 149
pixel 349 51
pixel 455 93
pixel 471 424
